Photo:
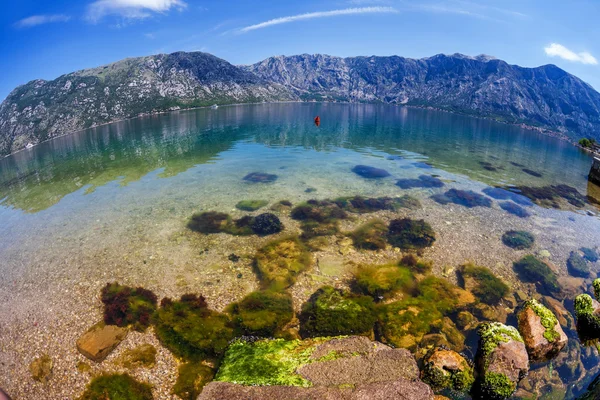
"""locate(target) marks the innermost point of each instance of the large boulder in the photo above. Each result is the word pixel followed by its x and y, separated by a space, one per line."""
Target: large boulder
pixel 502 360
pixel 320 368
pixel 446 369
pixel 541 332
pixel 100 340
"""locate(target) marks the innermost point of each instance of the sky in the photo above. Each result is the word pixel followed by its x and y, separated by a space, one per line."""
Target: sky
pixel 45 39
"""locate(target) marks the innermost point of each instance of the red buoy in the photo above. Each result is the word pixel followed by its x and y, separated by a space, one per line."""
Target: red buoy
pixel 317 121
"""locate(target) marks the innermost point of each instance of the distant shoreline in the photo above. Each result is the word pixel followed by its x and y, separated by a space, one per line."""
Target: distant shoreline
pixel 543 131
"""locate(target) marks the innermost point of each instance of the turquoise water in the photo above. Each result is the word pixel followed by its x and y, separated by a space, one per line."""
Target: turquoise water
pixel 124 191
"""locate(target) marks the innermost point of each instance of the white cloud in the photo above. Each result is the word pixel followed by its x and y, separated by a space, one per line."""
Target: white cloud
pixel 36 20
pixel 558 50
pixel 131 9
pixel 320 14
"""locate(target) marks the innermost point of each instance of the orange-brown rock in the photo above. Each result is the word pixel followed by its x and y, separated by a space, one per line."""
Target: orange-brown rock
pixel 100 340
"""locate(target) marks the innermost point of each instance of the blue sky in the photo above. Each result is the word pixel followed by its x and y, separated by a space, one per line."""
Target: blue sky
pixel 44 39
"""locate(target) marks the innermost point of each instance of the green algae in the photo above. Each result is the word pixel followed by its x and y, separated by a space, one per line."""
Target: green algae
pixel 333 312
pixel 251 205
pixel 492 334
pixel 596 286
pixel 415 265
pixel 488 289
pixel 190 329
pixel 460 378
pixel 209 222
pixel 408 234
pixel 191 378
pixel 588 323
pixel 124 306
pixel 518 240
pixel 279 262
pixel 381 280
pixel 267 362
pixel 497 386
pixel 533 270
pixel 116 387
pixel 547 319
pixel 143 356
pixel 370 236
pixel 262 313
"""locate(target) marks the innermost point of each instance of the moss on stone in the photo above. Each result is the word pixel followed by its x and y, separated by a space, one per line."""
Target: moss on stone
pixel 596 286
pixel 333 312
pixel 407 234
pixel 262 313
pixel 267 362
pixel 116 387
pixel 190 329
pixel 191 378
pixel 460 378
pixel 143 356
pixel 497 386
pixel 251 205
pixel 370 236
pixel 125 306
pixel 518 240
pixel 533 270
pixel 489 289
pixel 380 280
pixel 279 262
pixel 547 319
pixel 492 334
pixel 588 323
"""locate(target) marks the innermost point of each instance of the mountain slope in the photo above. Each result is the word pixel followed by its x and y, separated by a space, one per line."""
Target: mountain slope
pixel 43 109
pixel 545 96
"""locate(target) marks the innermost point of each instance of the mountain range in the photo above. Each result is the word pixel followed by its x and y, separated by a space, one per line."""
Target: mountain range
pixel 546 97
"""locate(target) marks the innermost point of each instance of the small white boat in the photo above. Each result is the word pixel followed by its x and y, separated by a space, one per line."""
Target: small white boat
pixel 214 107
pixel 29 145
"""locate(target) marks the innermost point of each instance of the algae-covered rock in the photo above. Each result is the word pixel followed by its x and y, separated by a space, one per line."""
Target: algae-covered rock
pixel 578 265
pixel 483 283
pixel 251 205
pixel 587 314
pixel 266 224
pixel 192 377
pixel 262 313
pixel 541 332
pixel 116 387
pixel 533 270
pixel 518 240
pixel 332 312
pixel 216 222
pixel 190 329
pixel 41 368
pixel 381 280
pixel 446 369
pixel 124 306
pixel 370 236
pixel 279 262
pixel 466 198
pixel 502 360
pixel 362 205
pixel 407 234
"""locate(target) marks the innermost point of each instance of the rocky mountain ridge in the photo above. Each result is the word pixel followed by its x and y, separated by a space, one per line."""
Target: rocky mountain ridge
pixel 546 96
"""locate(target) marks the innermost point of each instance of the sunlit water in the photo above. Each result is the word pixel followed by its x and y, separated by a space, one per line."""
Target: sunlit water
pixel 95 190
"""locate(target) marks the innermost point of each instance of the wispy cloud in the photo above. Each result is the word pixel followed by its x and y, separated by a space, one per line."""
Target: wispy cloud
pixel 320 14
pixel 464 8
pixel 36 20
pixel 131 9
pixel 558 50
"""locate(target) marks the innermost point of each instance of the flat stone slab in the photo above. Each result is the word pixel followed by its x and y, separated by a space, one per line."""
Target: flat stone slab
pixel 401 389
pixel 100 340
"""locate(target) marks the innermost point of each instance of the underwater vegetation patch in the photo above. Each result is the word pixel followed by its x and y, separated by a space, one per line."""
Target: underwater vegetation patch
pixel 125 306
pixel 408 233
pixel 362 205
pixel 549 196
pixel 519 240
pixel 281 206
pixel 262 313
pixel 467 198
pixel 530 269
pixel 488 166
pixel 318 211
pixel 578 265
pixel 216 222
pixel 514 209
pixel 424 181
pixel 415 265
pixel 190 329
pixel 143 356
pixel 379 281
pixel 334 312
pixel 251 205
pixel 279 262
pixel 503 194
pixel 370 236
pixel 192 377
pixel 116 387
pixel 532 172
pixel 485 285
pixel 260 177
pixel 266 224
pixel 369 172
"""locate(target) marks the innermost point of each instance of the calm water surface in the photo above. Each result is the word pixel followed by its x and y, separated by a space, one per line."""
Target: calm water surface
pixel 140 173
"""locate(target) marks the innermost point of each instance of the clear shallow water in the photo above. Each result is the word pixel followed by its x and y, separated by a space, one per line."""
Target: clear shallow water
pixel 144 177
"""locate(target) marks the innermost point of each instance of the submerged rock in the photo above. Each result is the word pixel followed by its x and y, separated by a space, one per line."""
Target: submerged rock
pixel 467 198
pixel 578 265
pixel 266 224
pixel 541 332
pixel 503 194
pixel 143 356
pixel 100 340
pixel 260 177
pixel 369 172
pixel 407 233
pixel 424 181
pixel 533 270
pixel 518 240
pixel 483 283
pixel 446 369
pixel 587 314
pixel 502 360
pixel 370 236
pixel 262 313
pixel 514 209
pixel 251 205
pixel 279 262
pixel 549 196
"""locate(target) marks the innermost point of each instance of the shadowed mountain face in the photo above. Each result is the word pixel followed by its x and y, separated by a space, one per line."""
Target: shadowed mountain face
pixel 546 96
